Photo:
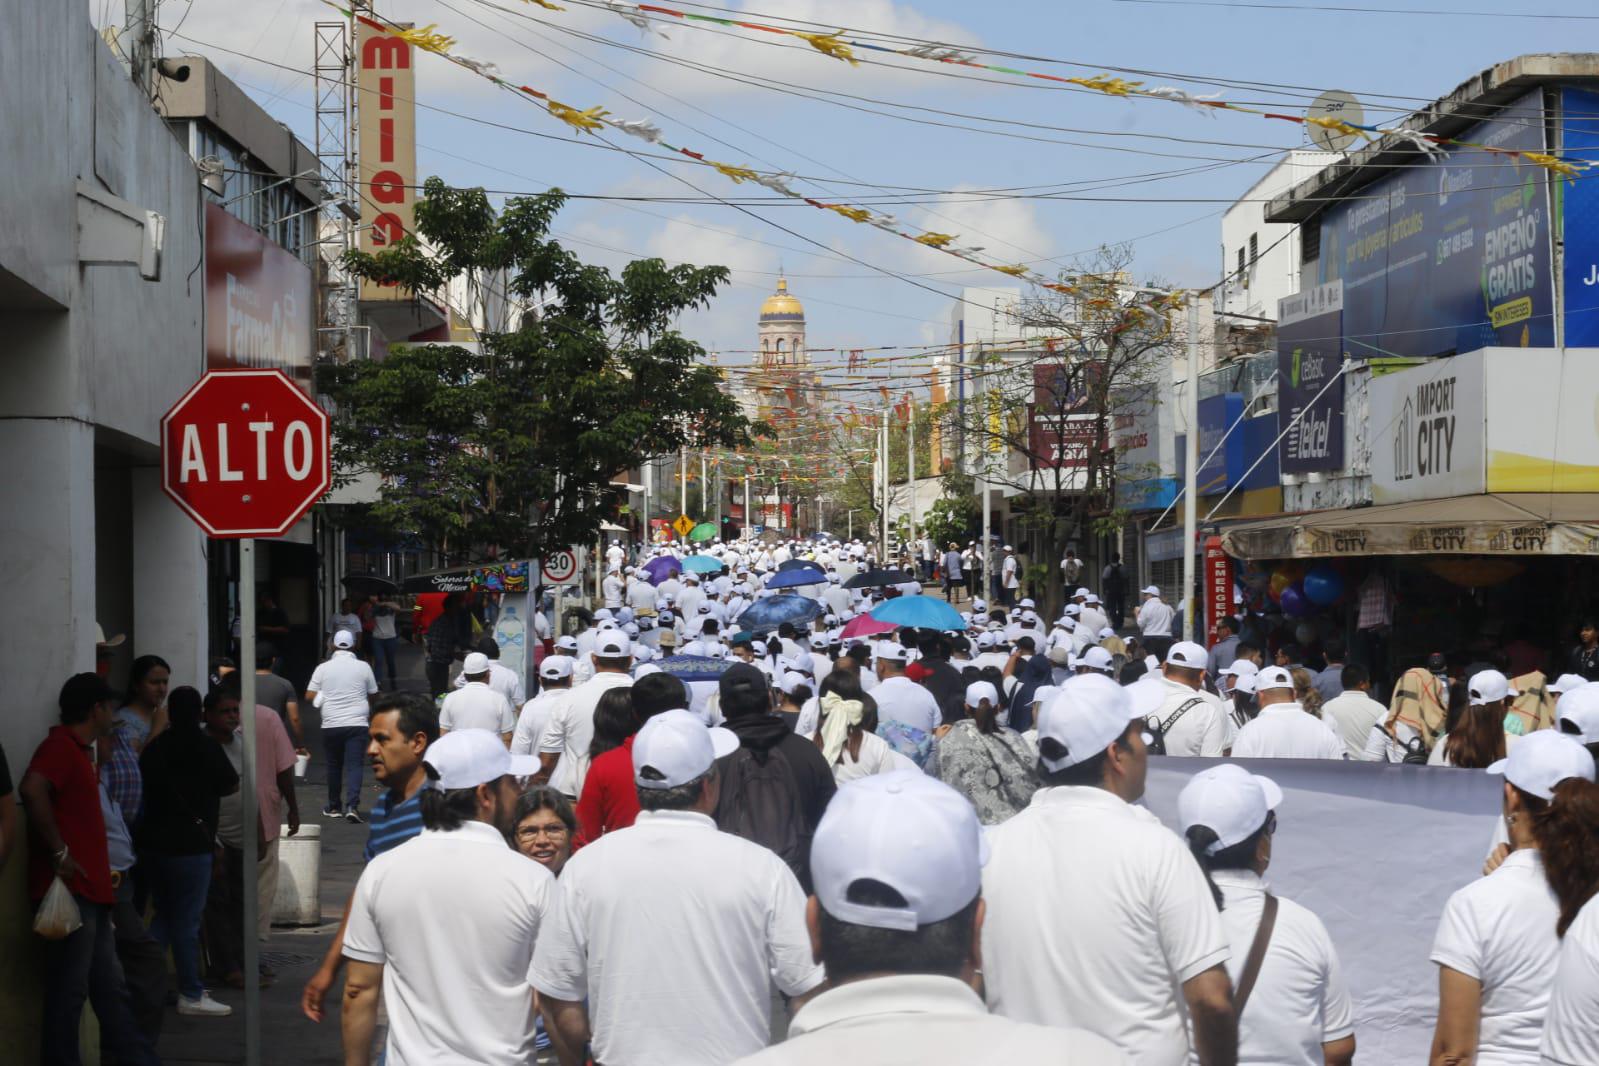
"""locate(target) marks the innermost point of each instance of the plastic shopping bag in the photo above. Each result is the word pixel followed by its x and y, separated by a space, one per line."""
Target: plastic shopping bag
pixel 58 915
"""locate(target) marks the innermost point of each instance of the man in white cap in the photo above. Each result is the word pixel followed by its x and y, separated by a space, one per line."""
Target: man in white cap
pixel 555 684
pixel 1096 660
pixel 614 588
pixel 1092 614
pixel 615 555
pixel 1299 1010
pixel 689 600
pixel 445 923
pixel 1154 621
pixel 1009 577
pixel 564 744
pixel 342 689
pixel 668 934
pixel 475 705
pixel 641 595
pixel 502 678
pixel 1084 875
pixel 1283 729
pixel 907 713
pixel 896 920
pixel 1190 720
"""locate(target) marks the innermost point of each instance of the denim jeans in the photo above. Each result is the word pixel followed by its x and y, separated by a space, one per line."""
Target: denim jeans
pixel 144 963
pixel 178 887
pixel 81 967
pixel 384 661
pixel 345 747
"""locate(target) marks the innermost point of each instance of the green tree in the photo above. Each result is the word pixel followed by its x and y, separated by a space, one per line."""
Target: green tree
pixel 956 516
pixel 513 443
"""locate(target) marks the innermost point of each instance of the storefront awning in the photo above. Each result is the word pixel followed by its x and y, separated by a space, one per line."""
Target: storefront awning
pixel 1514 523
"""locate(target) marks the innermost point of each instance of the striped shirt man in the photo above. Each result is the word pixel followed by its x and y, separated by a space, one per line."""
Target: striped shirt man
pixel 389 829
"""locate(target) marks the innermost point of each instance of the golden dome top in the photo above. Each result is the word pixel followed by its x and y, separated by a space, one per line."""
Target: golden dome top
pixel 780 305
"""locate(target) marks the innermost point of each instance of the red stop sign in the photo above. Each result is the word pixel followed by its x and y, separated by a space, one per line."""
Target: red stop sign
pixel 245 453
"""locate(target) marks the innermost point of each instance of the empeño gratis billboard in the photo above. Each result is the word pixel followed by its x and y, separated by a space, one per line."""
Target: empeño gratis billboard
pixel 1448 255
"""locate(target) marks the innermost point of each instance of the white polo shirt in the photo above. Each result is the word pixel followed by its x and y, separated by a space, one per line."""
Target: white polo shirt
pixel 1570 1037
pixel 1154 618
pixel 1500 929
pixel 1287 731
pixel 455 985
pixel 570 730
pixel 502 679
pixel 1353 714
pixel 1300 999
pixel 1097 914
pixel 344 682
pixel 902 700
pixel 477 706
pixel 923 1020
pixel 535 715
pixel 679 971
pixel 1202 729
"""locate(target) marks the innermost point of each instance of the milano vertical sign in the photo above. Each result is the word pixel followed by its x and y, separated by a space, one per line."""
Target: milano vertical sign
pixel 1309 387
pixel 385 104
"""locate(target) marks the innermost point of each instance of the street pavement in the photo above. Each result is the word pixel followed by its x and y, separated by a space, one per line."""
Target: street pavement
pixel 288 1038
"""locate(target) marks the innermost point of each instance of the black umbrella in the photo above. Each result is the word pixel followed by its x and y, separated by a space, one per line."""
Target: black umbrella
pixel 872 579
pixel 363 585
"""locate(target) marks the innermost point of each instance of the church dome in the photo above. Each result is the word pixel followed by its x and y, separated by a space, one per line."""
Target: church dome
pixel 781 307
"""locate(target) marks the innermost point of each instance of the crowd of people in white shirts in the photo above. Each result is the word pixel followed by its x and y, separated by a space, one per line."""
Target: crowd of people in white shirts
pixel 931 847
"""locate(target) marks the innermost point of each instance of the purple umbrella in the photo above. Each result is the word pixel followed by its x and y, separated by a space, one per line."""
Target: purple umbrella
pixel 661 567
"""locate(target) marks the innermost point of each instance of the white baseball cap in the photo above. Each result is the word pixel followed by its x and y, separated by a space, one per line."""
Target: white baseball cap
pixel 1091 599
pixel 1187 653
pixel 566 643
pixel 1088 714
pixel 1244 683
pixel 1230 801
pixel 1579 709
pixel 979 605
pixel 904 830
pixel 467 758
pixel 1153 590
pixel 978 691
pixel 1084 593
pixel 603 612
pixel 1097 658
pixel 1539 761
pixel 1027 603
pixel 893 651
pixel 1488 686
pixel 613 645
pixel 793 680
pixel 555 667
pixel 1071 610
pixel 1241 667
pixel 985 639
pixel 1272 677
pixel 1565 683
pixel 1106 633
pixel 344 639
pixel 675 747
pixel 475 663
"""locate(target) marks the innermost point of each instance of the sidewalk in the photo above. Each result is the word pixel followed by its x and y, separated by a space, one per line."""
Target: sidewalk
pixel 288 1038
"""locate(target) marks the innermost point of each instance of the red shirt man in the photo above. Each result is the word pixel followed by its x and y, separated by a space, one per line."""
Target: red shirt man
pixel 64 763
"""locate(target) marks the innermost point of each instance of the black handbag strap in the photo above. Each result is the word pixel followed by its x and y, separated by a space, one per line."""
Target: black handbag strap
pixel 1188 705
pixel 1257 955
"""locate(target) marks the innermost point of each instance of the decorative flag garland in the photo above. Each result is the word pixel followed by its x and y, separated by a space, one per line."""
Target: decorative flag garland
pixel 592 119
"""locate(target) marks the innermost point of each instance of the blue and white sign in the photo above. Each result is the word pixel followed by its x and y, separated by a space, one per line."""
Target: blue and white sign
pixel 1579 111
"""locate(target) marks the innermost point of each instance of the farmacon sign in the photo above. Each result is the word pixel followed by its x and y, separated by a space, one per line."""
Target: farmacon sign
pixel 385 102
pixel 258 301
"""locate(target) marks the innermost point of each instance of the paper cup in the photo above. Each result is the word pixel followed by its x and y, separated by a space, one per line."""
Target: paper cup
pixel 301 761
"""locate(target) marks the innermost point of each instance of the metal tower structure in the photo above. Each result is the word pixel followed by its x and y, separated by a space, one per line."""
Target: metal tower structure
pixel 334 69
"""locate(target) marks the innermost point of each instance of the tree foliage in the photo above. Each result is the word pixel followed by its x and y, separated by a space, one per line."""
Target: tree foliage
pixel 511 444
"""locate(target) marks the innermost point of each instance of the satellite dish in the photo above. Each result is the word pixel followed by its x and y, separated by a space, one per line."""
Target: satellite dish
pixel 1334 103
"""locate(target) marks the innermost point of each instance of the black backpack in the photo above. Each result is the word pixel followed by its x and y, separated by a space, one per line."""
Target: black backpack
pixel 761 801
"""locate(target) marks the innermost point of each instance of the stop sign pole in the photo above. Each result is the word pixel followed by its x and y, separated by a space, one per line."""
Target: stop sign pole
pixel 245 453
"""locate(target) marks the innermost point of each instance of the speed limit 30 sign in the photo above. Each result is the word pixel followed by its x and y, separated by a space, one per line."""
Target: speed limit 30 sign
pixel 562 567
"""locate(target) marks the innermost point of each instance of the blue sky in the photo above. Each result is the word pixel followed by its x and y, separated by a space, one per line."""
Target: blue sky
pixel 1390 61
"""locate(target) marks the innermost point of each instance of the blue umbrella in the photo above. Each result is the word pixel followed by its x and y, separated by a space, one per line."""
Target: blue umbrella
pixel 772 611
pixel 797 564
pixel 660 568
pixel 688 668
pixel 702 564
pixel 790 579
pixel 919 612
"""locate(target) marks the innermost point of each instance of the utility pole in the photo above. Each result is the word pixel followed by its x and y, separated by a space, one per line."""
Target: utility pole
pixel 1190 467
pixel 883 550
pixel 682 481
pixel 138 36
pixel 910 466
pixel 748 518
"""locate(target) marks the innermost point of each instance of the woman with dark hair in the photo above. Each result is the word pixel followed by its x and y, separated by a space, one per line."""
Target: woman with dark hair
pixel 847 732
pixel 543 827
pixel 610 799
pixel 1299 1008
pixel 1034 674
pixel 1477 738
pixel 990 764
pixel 186 774
pixel 144 714
pixel 1568 837
pixel 1498 942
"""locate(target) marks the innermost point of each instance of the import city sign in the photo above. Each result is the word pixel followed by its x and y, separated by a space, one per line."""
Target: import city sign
pixel 245 453
pixel 1427 431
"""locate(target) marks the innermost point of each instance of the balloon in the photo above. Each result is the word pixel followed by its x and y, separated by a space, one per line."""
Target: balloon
pixel 1293 601
pixel 1324 586
pixel 1279 581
